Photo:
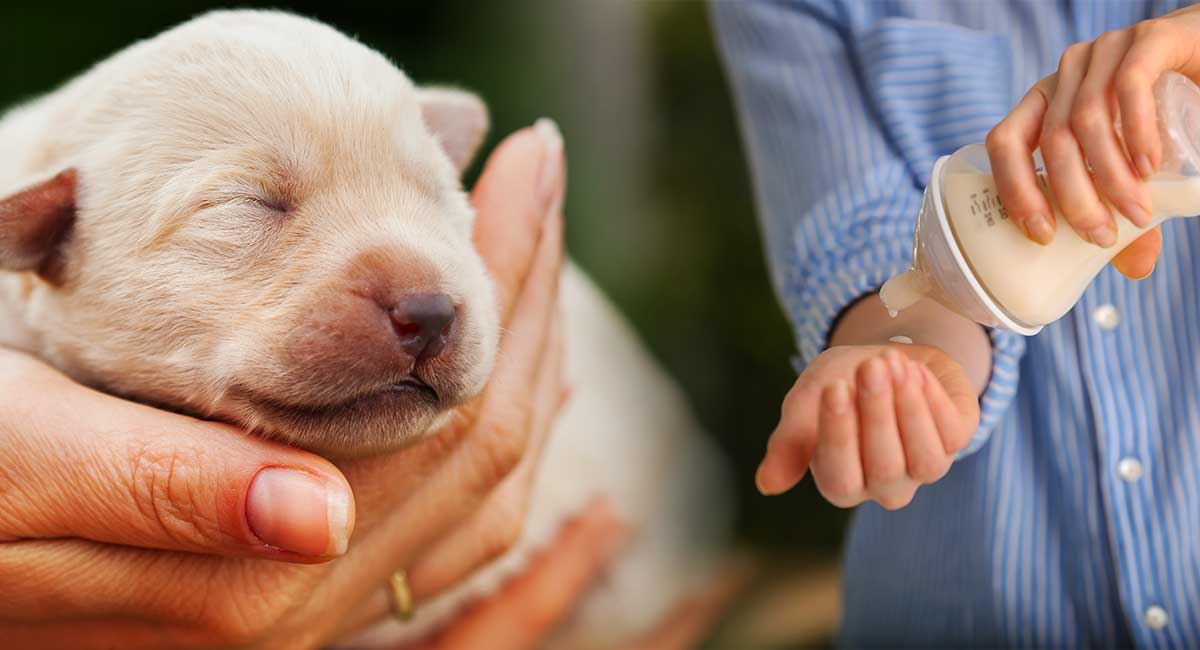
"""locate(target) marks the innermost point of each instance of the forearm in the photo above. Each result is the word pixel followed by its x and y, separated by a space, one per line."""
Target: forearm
pixel 866 322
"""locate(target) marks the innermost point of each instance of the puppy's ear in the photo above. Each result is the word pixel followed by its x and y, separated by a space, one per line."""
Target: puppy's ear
pixel 458 119
pixel 34 220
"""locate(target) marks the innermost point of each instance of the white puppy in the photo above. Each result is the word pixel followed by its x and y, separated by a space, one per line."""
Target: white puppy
pixel 254 218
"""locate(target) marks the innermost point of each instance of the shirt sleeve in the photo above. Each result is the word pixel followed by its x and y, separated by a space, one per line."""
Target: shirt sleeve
pixel 837 204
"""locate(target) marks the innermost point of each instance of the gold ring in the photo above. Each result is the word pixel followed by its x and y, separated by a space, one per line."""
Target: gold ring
pixel 400 597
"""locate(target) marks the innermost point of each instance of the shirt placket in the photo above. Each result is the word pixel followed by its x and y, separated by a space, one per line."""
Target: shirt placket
pixel 1124 459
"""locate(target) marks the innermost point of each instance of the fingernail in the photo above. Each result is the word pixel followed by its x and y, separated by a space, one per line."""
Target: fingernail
pixel 914 371
pixel 1144 166
pixel 875 378
pixel 839 397
pixel 1102 236
pixel 295 511
pixel 896 363
pixel 899 338
pixel 1148 273
pixel 552 144
pixel 1135 213
pixel 1038 228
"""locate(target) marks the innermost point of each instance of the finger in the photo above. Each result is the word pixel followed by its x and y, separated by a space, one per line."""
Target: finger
pixel 375 607
pixel 924 451
pixel 790 447
pixel 884 470
pixel 530 606
pixel 486 439
pixel 507 403
pixel 1094 127
pixel 1010 146
pixel 962 393
pixel 1137 260
pixel 186 599
pixel 535 310
pixel 516 192
pixel 837 464
pixel 499 522
pixel 83 464
pixel 1066 169
pixel 488 444
pixel 953 433
pixel 103 634
pixel 690 622
pixel 1155 49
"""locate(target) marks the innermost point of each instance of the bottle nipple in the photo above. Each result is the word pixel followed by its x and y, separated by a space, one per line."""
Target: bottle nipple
pixel 903 291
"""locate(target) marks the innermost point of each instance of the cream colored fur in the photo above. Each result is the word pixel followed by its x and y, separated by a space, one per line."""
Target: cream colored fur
pixel 250 185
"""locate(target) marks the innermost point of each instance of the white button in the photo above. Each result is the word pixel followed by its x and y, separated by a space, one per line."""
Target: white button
pixel 1129 469
pixel 1106 317
pixel 1155 617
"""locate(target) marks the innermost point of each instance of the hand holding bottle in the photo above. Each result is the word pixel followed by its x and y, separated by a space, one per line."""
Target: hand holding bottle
pixel 1072 117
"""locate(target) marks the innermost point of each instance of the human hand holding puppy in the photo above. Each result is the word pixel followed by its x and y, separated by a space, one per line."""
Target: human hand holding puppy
pixel 96 493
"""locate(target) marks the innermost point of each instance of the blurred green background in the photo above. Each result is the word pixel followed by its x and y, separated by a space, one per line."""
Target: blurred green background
pixel 659 209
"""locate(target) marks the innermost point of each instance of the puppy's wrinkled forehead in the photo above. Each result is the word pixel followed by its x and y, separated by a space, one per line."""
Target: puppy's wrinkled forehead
pixel 276 105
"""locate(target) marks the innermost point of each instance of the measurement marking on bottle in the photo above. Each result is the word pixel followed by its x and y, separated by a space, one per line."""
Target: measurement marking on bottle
pixel 986 205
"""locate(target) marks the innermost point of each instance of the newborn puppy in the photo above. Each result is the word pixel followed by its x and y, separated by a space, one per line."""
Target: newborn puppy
pixel 256 219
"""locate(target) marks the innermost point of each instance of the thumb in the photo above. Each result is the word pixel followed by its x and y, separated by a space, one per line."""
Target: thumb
pixel 1137 260
pixel 789 450
pixel 78 463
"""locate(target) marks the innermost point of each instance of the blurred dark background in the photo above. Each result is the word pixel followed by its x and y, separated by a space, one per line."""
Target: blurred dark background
pixel 659 209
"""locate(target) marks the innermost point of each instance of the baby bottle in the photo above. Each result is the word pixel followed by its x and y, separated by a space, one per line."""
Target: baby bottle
pixel 969 256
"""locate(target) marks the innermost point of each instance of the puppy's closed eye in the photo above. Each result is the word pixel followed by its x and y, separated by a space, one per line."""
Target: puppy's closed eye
pixel 234 196
pixel 254 199
pixel 274 204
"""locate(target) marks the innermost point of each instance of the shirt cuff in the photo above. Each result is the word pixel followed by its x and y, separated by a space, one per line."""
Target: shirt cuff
pixel 817 299
pixel 1007 349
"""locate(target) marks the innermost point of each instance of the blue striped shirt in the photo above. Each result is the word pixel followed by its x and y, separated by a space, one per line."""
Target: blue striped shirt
pixel 1073 519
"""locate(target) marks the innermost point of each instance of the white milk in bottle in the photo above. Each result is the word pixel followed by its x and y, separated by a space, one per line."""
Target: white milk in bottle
pixel 972 258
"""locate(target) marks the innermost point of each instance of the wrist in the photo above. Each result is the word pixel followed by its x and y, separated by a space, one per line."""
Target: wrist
pixel 867 322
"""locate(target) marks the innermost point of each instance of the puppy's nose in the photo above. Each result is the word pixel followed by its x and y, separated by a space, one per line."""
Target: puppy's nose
pixel 423 324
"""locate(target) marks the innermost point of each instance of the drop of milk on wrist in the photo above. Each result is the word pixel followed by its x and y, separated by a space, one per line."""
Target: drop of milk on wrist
pixel 903 291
